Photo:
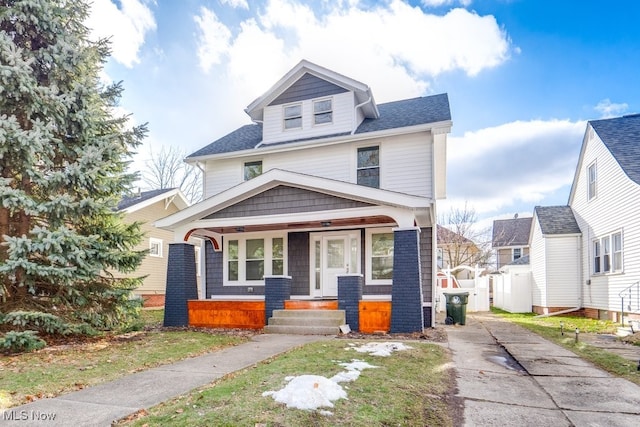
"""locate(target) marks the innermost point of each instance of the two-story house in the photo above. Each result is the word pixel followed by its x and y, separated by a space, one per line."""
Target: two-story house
pixel 325 185
pixel 510 239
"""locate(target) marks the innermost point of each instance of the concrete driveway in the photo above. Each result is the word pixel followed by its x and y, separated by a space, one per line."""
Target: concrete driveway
pixel 508 376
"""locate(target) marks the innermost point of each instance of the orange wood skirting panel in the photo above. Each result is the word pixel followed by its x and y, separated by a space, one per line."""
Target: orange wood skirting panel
pixel 227 314
pixel 374 316
pixel 310 305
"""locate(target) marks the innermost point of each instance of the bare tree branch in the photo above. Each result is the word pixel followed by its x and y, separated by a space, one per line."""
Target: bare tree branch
pixel 167 169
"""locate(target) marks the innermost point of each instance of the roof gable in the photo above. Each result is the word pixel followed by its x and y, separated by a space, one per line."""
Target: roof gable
pixel 146 198
pixel 511 232
pixel 556 220
pixel 307 70
pixel 308 86
pixel 621 136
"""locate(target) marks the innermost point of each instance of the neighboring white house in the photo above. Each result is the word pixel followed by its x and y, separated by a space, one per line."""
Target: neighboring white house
pixel 605 199
pixel 555 260
pixel 321 184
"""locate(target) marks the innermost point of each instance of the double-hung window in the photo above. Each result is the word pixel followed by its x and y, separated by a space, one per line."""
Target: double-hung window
pixel 249 259
pixel 155 247
pixel 607 254
pixel 591 181
pixel 293 116
pixel 322 112
pixel 517 253
pixel 379 253
pixel 368 171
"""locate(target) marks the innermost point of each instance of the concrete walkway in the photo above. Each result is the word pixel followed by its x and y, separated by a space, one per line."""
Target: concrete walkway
pixel 104 403
pixel 508 376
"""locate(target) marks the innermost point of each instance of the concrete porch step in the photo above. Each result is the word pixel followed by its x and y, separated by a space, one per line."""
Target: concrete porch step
pixel 306 322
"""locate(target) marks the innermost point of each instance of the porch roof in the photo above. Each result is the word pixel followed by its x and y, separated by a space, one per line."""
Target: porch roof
pixel 374 206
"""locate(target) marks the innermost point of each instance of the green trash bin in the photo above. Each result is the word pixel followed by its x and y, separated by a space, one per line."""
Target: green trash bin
pixel 456 308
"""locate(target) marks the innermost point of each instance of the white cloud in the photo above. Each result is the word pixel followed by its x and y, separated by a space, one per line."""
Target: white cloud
pixel 391 42
pixel 438 3
pixel 515 163
pixel 242 4
pixel 126 26
pixel 608 109
pixel 214 39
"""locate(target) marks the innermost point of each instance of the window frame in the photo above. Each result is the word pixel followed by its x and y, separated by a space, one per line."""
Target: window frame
pixel 592 181
pixel 287 119
pixel 513 253
pixel 606 256
pixel 159 243
pixel 369 233
pixel 368 167
pixel 246 168
pixel 242 260
pixel 316 114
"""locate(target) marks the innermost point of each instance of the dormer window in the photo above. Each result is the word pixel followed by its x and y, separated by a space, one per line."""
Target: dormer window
pixel 293 116
pixel 322 112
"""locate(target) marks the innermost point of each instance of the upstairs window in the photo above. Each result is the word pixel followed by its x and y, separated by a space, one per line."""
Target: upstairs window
pixel 591 180
pixel 293 116
pixel 252 169
pixel 369 167
pixel 517 253
pixel 322 112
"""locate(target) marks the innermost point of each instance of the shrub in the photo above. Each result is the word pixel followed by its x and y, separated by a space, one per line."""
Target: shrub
pixel 19 341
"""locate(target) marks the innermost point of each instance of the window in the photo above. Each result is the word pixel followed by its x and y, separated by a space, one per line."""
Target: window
pixel 322 112
pixel 379 253
pixel 155 247
pixel 293 116
pixel 516 254
pixel 369 167
pixel 607 254
pixel 249 259
pixel 252 169
pixel 591 180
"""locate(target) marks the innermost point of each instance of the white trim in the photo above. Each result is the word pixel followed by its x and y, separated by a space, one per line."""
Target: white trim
pixel 267 237
pixel 369 232
pixel 242 297
pixel 384 297
pixel 160 244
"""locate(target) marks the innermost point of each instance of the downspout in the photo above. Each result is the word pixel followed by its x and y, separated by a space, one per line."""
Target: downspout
pixel 256 121
pixel 355 113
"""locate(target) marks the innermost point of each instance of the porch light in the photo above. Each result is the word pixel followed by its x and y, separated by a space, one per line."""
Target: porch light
pixel 240 229
pixel 325 223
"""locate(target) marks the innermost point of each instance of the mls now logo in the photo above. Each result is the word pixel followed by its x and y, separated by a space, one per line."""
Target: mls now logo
pixel 28 416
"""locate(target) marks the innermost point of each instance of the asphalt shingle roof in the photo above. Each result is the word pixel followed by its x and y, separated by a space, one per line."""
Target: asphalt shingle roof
pixel 621 135
pixel 557 220
pixel 511 232
pixel 129 201
pixel 397 114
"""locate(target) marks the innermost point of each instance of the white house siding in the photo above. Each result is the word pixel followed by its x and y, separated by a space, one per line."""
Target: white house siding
pixel 405 164
pixel 538 267
pixel 563 271
pixel 614 208
pixel 343 117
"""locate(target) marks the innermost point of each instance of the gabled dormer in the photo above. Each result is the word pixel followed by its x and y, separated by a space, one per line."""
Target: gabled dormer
pixel 311 101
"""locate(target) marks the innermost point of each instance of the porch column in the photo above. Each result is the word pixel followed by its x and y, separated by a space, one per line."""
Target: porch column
pixel 349 296
pixel 277 289
pixel 181 284
pixel 406 291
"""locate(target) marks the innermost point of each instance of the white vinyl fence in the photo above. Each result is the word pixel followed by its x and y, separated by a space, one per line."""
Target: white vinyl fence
pixel 478 288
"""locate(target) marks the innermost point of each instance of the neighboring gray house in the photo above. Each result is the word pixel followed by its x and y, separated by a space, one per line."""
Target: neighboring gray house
pixel 555 260
pixel 324 183
pixel 510 239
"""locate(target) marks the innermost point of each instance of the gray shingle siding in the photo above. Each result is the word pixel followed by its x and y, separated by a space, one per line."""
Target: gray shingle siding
pixel 285 199
pixel 393 115
pixel 621 135
pixel 557 220
pixel 307 87
pixel 298 260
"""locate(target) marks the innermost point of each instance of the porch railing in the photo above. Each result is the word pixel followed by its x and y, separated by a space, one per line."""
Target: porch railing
pixel 630 299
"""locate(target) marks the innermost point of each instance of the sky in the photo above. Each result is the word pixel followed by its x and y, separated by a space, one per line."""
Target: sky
pixel 523 76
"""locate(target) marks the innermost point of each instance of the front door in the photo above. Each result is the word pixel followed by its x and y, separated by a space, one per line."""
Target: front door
pixel 335 254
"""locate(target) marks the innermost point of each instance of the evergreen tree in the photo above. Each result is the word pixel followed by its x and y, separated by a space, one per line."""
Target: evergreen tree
pixel 63 161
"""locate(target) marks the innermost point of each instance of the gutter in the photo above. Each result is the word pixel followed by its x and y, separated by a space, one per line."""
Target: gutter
pixel 355 113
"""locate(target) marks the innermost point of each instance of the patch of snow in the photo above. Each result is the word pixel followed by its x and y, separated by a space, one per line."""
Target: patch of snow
pixel 383 349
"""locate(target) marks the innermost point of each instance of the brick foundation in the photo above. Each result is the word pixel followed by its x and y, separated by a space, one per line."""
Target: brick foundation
pixel 152 300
